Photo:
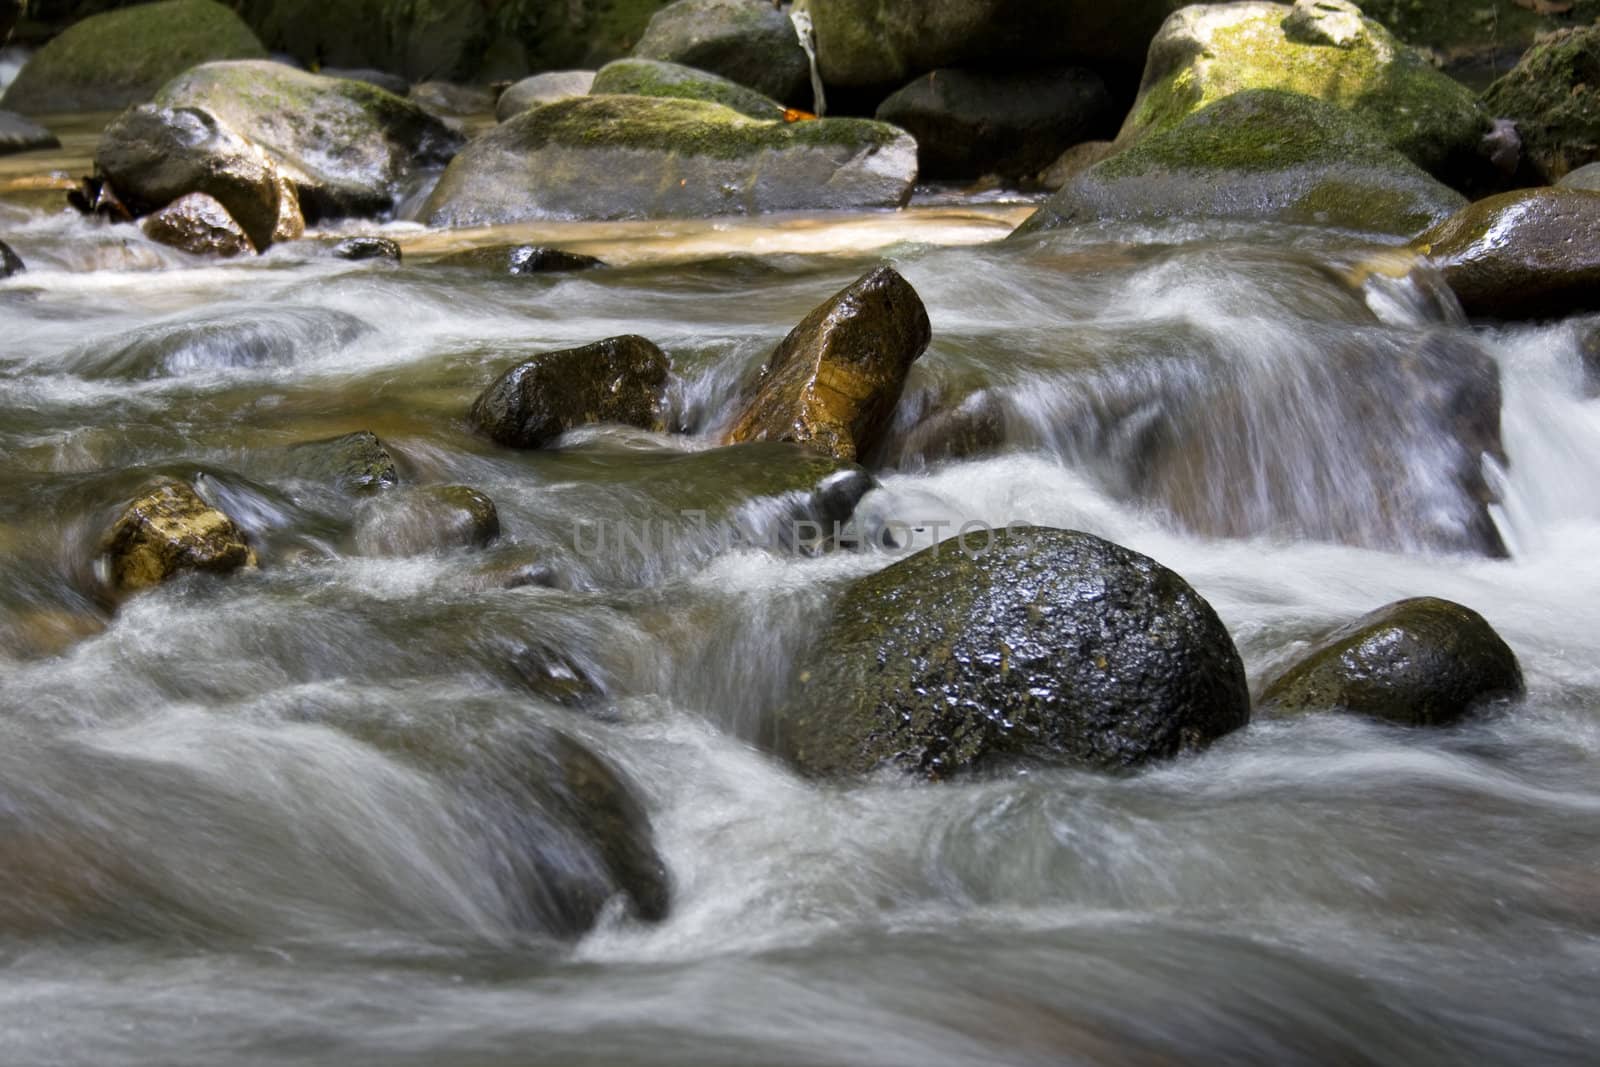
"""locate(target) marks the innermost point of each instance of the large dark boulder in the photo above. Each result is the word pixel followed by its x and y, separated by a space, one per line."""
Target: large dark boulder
pixel 122 57
pixel 167 531
pixel 1528 254
pixel 618 380
pixel 673 81
pixel 746 41
pixel 1421 662
pixel 833 383
pixel 1553 95
pixel 1040 643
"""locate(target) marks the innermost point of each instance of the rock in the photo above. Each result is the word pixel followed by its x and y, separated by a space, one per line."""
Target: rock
pixel 970 123
pixel 354 463
pixel 297 119
pixel 1044 644
pixel 10 262
pixel 618 380
pixel 835 380
pixel 1586 178
pixel 168 531
pixel 649 77
pixel 449 100
pixel 200 225
pixel 1553 95
pixel 389 83
pixel 364 248
pixel 953 429
pixel 551 674
pixel 152 156
pixel 746 41
pixel 1422 662
pixel 413 522
pixel 1261 155
pixel 519 260
pixel 544 88
pixel 1319 48
pixel 1528 254
pixel 615 157
pixel 18 134
pixel 122 57
pixel 1073 162
pixel 1478 37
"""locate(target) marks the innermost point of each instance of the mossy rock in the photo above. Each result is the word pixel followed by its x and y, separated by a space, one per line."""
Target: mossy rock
pixel 123 57
pixel 619 380
pixel 413 522
pixel 168 531
pixel 353 463
pixel 1553 95
pixel 1038 644
pixel 1318 48
pixel 1262 155
pixel 745 41
pixel 1586 178
pixel 614 157
pixel 1473 35
pixel 650 77
pixel 519 260
pixel 1421 662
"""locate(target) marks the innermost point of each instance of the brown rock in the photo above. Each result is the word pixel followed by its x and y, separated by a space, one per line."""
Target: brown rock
pixel 168 531
pixel 618 380
pixel 197 223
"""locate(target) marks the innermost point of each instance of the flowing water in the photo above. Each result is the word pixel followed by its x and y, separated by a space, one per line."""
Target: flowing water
pixel 234 825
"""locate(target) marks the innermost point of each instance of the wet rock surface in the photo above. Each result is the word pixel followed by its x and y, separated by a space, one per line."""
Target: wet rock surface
pixel 413 522
pixel 169 531
pixel 520 260
pixel 745 41
pixel 617 380
pixel 198 224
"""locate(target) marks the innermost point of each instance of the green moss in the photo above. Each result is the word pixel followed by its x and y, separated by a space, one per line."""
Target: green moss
pixel 1554 96
pixel 648 77
pixel 1473 25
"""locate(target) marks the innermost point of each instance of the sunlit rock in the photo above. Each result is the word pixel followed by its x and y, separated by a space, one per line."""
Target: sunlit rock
pixel 198 224
pixel 618 380
pixel 168 531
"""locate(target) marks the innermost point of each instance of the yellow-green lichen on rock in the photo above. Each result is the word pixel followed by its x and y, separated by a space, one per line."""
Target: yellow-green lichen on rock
pixel 168 531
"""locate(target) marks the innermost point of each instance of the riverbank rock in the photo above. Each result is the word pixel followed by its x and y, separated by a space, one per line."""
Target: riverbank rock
pixel 1323 49
pixel 347 146
pixel 1553 95
pixel 971 123
pixel 833 383
pixel 414 522
pixel 1422 662
pixel 1042 644
pixel 18 134
pixel 619 380
pixel 1260 154
pixel 168 531
pixel 519 260
pixel 615 157
pixel 198 224
pixel 544 88
pixel 122 57
pixel 10 262
pixel 745 41
pixel 1534 253
pixel 649 77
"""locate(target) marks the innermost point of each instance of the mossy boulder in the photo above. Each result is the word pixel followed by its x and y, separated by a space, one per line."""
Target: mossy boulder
pixel 519 260
pixel 1034 643
pixel 347 146
pixel 1553 95
pixel 19 134
pixel 1319 48
pixel 1534 253
pixel 619 380
pixel 1265 155
pixel 1421 662
pixel 199 225
pixel 10 262
pixel 1478 38
pixel 650 77
pixel 615 157
pixel 10 11
pixel 745 41
pixel 544 88
pixel 1586 178
pixel 971 123
pixel 834 381
pixel 414 522
pixel 167 531
pixel 123 57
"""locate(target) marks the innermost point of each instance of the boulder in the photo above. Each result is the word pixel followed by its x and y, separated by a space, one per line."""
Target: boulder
pixel 122 57
pixel 1586 178
pixel 544 88
pixel 519 260
pixel 1319 48
pixel 200 225
pixel 10 262
pixel 1073 162
pixel 348 146
pixel 1421 662
pixel 833 383
pixel 18 134
pixel 413 522
pixel 1262 155
pixel 746 41
pixel 360 249
pixel 1553 95
pixel 618 380
pixel 450 100
pixel 1534 253
pixel 649 77
pixel 971 123
pixel 1026 643
pixel 353 463
pixel 615 157
pixel 167 531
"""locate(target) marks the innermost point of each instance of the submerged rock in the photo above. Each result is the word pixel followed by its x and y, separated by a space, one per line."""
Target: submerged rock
pixel 619 380
pixel 413 522
pixel 614 157
pixel 670 81
pixel 18 134
pixel 1042 643
pixel 353 463
pixel 198 224
pixel 1528 254
pixel 544 88
pixel 168 531
pixel 363 248
pixel 972 123
pixel 1553 95
pixel 835 380
pixel 10 262
pixel 1259 155
pixel 746 41
pixel 450 100
pixel 1421 662
pixel 122 57
pixel 520 259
